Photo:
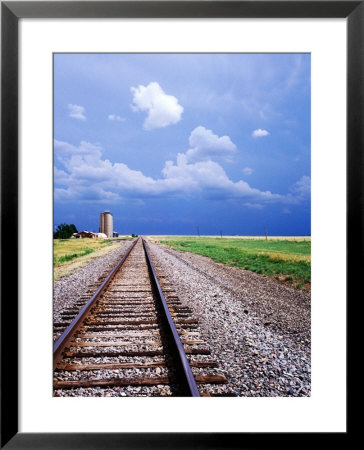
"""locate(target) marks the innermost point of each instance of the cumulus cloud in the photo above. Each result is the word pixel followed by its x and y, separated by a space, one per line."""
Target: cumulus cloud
pixel 89 177
pixel 300 192
pixel 162 109
pixel 76 112
pixel 260 133
pixel 61 177
pixel 86 176
pixel 206 145
pixel 62 149
pixel 71 156
pixel 247 171
pixel 116 117
pixel 302 187
pixel 209 179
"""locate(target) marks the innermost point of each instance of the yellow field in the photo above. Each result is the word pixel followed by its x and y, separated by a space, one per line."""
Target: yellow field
pixel 269 238
pixel 72 254
pixel 63 247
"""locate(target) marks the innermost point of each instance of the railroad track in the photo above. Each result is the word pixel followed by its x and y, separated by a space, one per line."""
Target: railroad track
pixel 133 337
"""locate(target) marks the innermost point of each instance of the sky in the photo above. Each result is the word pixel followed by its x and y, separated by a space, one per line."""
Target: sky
pixel 183 143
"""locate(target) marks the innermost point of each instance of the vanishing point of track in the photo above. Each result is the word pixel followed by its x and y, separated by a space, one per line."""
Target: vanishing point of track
pixel 133 334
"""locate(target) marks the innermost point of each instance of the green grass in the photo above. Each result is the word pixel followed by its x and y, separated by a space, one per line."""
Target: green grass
pixel 65 250
pixel 286 260
pixel 58 260
pixel 72 254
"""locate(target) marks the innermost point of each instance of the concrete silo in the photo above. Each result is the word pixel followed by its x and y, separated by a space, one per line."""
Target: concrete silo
pixel 102 223
pixel 109 226
pixel 106 223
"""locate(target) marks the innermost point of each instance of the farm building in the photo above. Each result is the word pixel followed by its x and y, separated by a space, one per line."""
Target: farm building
pixel 85 234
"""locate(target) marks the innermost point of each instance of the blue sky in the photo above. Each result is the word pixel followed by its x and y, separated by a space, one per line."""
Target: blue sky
pixel 172 143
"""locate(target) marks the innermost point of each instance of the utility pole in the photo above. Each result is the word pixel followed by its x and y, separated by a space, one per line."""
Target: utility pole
pixel 265 232
pixel 198 231
pixel 221 234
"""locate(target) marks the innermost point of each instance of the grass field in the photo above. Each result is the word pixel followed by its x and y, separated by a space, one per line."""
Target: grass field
pixel 288 259
pixel 71 254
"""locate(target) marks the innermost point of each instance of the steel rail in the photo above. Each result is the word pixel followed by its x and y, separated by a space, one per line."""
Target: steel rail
pixel 72 328
pixel 187 372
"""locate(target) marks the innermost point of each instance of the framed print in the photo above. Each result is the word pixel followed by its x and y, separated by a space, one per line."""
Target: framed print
pixel 135 49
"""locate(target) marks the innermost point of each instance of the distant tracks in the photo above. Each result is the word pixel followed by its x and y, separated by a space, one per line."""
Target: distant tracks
pixel 132 337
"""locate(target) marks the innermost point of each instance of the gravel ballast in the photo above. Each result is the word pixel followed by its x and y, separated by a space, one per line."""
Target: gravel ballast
pixel 68 290
pixel 258 329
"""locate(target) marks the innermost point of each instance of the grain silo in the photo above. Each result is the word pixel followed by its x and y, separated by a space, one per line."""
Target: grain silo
pixel 106 223
pixel 102 226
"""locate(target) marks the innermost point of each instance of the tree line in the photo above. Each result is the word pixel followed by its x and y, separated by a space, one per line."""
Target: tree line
pixel 64 231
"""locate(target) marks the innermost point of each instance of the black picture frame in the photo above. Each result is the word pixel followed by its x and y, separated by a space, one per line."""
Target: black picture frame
pixel 11 12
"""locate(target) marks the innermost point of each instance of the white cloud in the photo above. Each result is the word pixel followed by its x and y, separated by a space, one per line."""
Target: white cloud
pixel 71 156
pixel 163 109
pixel 89 177
pixel 206 145
pixel 299 192
pixel 76 112
pixel 61 177
pixel 260 133
pixel 62 149
pixel 116 117
pixel 247 171
pixel 86 176
pixel 209 179
pixel 302 188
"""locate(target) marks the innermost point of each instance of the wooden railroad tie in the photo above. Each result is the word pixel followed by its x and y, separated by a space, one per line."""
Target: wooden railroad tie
pixel 152 381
